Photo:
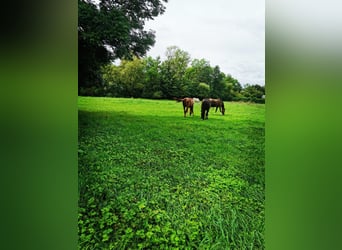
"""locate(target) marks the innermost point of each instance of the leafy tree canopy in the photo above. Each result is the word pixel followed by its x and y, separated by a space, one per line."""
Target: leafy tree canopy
pixel 176 76
pixel 173 71
pixel 112 29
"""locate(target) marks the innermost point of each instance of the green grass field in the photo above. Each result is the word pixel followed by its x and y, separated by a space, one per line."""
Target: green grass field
pixel 151 179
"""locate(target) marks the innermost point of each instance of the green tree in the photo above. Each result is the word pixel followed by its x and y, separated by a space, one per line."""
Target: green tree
pixel 152 87
pixel 111 80
pixel 112 29
pixel 203 70
pixel 173 72
pixel 203 90
pixel 132 77
pixel 253 93
pixel 200 71
pixel 217 85
pixel 227 94
pixel 234 88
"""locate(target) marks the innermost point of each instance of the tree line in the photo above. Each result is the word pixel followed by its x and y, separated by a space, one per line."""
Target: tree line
pixel 176 76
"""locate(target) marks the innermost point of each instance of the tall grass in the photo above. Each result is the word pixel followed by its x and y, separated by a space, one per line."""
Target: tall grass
pixel 151 179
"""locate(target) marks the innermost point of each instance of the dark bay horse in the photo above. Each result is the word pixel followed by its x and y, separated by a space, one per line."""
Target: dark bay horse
pixel 218 103
pixel 205 107
pixel 188 103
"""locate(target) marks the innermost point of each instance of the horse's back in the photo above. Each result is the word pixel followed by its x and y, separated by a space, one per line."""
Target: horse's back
pixel 188 102
pixel 206 101
pixel 215 102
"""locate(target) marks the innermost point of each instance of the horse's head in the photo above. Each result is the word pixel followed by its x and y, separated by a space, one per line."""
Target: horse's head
pixel 223 110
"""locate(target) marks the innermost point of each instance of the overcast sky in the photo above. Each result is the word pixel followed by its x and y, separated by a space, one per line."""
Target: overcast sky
pixel 227 33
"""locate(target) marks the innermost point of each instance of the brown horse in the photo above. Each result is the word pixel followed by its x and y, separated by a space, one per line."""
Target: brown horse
pixel 218 103
pixel 188 103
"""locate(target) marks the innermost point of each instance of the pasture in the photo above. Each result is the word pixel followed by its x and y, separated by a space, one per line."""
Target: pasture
pixel 151 179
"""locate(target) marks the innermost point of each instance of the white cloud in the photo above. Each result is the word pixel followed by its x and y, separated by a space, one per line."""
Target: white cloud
pixel 225 32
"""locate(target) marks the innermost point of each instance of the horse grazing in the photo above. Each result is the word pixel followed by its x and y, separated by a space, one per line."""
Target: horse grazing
pixel 218 103
pixel 188 103
pixel 205 107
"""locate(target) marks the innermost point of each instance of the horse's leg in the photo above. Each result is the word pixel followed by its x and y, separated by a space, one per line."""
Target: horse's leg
pixel 184 108
pixel 185 111
pixel 192 110
pixel 216 109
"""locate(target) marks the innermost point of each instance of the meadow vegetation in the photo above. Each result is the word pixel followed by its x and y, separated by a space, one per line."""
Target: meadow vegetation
pixel 151 179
